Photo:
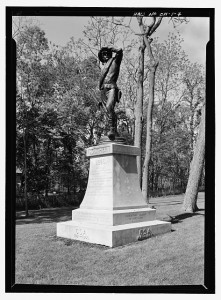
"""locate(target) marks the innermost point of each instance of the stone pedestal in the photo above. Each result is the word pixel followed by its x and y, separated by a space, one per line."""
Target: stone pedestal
pixel 113 211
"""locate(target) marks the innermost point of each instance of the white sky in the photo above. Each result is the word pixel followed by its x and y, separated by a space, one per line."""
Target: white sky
pixel 195 34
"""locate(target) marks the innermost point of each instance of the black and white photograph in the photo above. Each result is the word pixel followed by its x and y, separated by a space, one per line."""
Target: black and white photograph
pixel 110 149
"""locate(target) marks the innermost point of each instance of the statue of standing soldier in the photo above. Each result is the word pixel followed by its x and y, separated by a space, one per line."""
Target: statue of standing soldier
pixel 110 94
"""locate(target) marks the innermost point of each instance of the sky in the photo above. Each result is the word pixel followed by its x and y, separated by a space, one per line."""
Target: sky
pixel 59 30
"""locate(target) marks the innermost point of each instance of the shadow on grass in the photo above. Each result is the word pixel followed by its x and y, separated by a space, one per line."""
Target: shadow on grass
pixel 183 216
pixel 178 217
pixel 45 216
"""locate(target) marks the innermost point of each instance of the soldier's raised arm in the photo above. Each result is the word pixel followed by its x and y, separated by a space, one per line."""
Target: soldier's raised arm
pixel 119 53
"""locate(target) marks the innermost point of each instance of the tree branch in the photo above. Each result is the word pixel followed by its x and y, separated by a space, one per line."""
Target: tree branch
pixel 155 26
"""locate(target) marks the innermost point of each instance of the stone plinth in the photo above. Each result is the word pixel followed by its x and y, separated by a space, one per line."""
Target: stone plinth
pixel 113 211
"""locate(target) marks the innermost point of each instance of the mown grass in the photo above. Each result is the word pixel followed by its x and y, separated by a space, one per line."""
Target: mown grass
pixel 175 258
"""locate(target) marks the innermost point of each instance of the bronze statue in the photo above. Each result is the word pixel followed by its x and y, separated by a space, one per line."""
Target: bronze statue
pixel 110 93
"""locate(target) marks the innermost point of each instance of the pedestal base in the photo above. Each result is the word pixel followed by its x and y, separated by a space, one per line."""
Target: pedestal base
pixel 113 211
pixel 112 236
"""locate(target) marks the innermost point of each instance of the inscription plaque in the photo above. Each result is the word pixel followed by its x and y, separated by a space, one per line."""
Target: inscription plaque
pixel 80 234
pixel 100 184
pixel 144 234
pixel 98 150
pixel 134 217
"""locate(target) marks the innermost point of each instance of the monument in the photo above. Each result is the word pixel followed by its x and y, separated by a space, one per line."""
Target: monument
pixel 113 211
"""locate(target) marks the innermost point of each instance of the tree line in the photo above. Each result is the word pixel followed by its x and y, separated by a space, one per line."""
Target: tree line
pixel 57 115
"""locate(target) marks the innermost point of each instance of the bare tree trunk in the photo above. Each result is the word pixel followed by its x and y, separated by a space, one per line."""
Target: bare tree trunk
pixel 191 129
pixel 149 132
pixel 196 168
pixel 139 111
pixel 146 32
pixel 25 173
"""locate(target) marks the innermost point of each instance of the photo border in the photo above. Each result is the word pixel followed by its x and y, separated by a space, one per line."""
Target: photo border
pixel 10 215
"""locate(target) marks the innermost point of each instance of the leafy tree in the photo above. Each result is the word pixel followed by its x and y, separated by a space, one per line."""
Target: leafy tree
pixel 152 65
pixel 194 82
pixel 170 150
pixel 31 45
pixel 169 94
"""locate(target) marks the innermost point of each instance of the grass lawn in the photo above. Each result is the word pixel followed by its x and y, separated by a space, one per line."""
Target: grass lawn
pixel 175 258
